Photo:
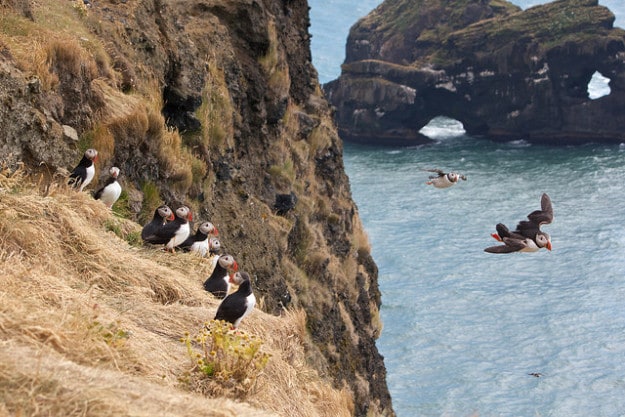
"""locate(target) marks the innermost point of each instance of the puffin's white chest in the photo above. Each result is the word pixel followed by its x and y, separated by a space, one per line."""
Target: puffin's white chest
pixel 530 246
pixel 250 302
pixel 180 236
pixel 442 182
pixel 200 247
pixel 90 174
pixel 111 193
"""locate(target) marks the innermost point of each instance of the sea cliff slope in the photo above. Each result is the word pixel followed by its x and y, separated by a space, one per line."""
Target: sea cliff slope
pixel 212 104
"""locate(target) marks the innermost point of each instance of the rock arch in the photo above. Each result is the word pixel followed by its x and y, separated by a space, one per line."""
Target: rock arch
pixel 511 76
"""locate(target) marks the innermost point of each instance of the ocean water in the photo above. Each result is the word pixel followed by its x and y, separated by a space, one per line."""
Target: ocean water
pixel 465 329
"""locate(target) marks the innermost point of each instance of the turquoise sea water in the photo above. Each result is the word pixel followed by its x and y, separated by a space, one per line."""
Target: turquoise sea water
pixel 464 329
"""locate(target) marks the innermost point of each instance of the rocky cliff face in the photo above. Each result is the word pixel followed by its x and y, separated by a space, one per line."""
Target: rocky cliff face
pixel 504 73
pixel 214 104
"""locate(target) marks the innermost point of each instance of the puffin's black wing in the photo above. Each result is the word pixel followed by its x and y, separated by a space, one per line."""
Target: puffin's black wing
pixel 77 176
pixel 168 230
pixel 149 235
pixel 197 237
pixel 439 173
pixel 545 214
pixel 216 286
pixel 504 232
pixel 529 228
pixel 510 245
pixel 231 308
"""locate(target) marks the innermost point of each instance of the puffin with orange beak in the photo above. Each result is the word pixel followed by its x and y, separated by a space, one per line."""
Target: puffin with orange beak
pixel 218 283
pixel 527 237
pixel 162 215
pixel 84 172
pixel 240 303
pixel 200 241
pixel 178 230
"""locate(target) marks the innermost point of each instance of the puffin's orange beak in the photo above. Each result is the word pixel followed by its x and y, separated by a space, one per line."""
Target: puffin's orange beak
pixel 190 216
pixel 231 278
pixel 215 231
pixel 171 217
pixel 235 266
pixel 496 236
pixel 548 245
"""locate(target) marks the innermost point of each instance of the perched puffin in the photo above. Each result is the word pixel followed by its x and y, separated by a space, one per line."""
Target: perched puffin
pixel 218 283
pixel 527 237
pixel 111 190
pixel 443 179
pixel 178 230
pixel 240 303
pixel 162 215
pixel 199 242
pixel 214 246
pixel 84 172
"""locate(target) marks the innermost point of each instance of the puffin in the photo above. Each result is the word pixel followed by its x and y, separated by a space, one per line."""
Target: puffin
pixel 176 231
pixel 84 172
pixel 240 303
pixel 527 237
pixel 531 227
pixel 199 242
pixel 512 241
pixel 162 215
pixel 214 246
pixel 111 190
pixel 218 283
pixel 444 179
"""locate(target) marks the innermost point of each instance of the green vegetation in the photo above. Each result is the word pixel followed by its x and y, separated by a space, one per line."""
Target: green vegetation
pixel 230 358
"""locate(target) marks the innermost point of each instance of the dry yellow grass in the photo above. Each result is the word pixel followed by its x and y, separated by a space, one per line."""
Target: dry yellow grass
pixel 90 325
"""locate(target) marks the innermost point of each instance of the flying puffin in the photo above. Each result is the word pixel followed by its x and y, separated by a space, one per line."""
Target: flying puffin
pixel 84 172
pixel 162 215
pixel 240 303
pixel 512 241
pixel 444 179
pixel 527 237
pixel 111 190
pixel 218 283
pixel 199 242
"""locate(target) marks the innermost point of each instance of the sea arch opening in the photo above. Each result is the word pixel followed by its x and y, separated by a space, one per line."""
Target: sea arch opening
pixel 441 127
pixel 598 86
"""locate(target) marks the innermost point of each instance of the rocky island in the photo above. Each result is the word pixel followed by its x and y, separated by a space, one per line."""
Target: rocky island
pixel 504 73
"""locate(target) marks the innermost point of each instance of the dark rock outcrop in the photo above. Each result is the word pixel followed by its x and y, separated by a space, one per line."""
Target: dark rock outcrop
pixel 506 74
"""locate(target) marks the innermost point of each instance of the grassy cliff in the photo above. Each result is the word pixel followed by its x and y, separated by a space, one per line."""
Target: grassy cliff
pixel 214 105
pixel 91 323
